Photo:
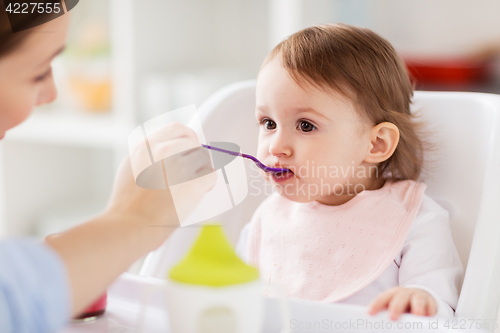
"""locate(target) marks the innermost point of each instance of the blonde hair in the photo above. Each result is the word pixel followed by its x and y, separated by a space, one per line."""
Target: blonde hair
pixel 365 67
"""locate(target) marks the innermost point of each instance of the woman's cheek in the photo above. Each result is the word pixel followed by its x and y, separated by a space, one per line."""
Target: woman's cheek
pixel 24 112
pixel 17 108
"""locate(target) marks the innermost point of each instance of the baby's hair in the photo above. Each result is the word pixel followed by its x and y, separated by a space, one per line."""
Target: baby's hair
pixel 364 67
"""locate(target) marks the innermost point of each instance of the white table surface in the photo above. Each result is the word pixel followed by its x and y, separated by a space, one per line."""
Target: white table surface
pixel 123 315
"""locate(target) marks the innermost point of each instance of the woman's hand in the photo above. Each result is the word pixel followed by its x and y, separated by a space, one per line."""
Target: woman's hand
pixel 399 300
pixel 178 155
pixel 136 220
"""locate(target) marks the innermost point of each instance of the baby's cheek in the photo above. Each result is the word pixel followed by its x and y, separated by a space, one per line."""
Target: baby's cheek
pixel 262 152
pixel 265 175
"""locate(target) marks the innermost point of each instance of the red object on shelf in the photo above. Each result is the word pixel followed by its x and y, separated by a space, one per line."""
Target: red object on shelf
pixel 96 309
pixel 449 71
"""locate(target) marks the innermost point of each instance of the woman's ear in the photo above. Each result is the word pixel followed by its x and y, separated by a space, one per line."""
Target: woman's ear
pixel 384 139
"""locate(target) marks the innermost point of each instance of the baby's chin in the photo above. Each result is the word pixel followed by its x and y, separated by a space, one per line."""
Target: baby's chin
pixel 303 191
pixel 329 200
pixel 291 192
pixel 297 198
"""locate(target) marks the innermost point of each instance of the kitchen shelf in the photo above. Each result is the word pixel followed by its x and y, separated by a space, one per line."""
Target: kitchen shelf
pixel 71 129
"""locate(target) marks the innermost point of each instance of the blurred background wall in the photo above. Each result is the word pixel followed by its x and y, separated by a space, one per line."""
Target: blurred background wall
pixel 129 60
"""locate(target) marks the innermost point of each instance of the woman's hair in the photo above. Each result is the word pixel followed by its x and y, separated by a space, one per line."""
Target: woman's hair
pixel 364 67
pixel 21 24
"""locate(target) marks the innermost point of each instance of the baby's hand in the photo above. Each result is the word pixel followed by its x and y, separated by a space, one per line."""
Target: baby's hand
pixel 399 300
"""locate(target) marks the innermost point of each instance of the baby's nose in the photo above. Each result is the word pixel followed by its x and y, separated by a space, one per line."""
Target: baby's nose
pixel 280 147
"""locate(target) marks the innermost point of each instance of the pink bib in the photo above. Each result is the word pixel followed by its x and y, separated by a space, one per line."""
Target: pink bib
pixel 327 253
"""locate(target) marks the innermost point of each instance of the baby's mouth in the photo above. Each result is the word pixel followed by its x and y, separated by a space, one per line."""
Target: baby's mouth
pixel 283 174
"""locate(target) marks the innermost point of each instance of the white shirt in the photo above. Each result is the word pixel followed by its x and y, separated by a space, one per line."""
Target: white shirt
pixel 428 260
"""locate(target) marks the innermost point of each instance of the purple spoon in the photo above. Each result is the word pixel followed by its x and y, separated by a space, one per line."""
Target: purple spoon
pixel 257 162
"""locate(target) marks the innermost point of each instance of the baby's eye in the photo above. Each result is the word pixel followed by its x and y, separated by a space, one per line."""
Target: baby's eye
pixel 268 124
pixel 306 126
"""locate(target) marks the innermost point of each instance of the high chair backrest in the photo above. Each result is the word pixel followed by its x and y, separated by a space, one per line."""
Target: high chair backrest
pixel 463 176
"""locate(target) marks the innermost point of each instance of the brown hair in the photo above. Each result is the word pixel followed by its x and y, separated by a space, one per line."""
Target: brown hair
pixel 365 67
pixel 23 24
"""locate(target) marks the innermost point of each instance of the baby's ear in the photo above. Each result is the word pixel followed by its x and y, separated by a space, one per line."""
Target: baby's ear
pixel 384 139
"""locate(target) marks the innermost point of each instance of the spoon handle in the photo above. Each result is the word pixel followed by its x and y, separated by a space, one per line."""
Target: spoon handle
pixel 230 152
pixel 255 160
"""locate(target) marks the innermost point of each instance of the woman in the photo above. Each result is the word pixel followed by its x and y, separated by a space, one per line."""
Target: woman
pixel 43 285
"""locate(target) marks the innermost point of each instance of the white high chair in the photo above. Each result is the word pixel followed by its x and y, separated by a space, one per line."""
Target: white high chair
pixel 464 179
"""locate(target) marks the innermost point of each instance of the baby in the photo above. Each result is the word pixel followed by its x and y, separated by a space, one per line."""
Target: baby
pixel 349 223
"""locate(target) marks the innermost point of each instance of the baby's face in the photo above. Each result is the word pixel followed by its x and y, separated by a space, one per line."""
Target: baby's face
pixel 317 134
